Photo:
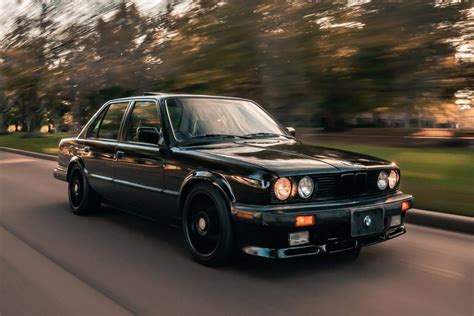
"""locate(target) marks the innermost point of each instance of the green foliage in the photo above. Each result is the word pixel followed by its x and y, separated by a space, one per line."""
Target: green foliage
pixel 440 179
pixel 46 144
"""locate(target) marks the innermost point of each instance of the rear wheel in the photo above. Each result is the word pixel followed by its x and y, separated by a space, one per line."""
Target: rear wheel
pixel 82 199
pixel 207 226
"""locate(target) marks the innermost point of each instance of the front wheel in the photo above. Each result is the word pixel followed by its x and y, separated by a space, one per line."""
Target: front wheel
pixel 82 199
pixel 207 226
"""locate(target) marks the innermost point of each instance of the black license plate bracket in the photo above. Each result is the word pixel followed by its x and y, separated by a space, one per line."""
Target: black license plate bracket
pixel 367 222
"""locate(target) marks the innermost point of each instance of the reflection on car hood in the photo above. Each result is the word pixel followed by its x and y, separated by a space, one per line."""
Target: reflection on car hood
pixel 292 157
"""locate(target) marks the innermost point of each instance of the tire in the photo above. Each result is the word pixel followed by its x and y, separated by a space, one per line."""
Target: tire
pixel 82 199
pixel 207 226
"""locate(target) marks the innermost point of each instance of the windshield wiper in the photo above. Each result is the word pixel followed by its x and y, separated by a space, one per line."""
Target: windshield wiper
pixel 216 135
pixel 262 134
pixel 200 139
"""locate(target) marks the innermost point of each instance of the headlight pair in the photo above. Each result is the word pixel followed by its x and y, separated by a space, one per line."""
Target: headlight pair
pixel 387 179
pixel 284 188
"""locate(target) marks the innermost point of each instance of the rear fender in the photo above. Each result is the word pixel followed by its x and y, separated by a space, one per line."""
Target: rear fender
pixel 75 160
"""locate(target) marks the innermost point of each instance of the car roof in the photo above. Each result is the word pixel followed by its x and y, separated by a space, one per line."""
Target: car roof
pixel 159 96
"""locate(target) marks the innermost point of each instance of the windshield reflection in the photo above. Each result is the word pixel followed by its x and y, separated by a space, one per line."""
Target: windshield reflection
pixel 194 119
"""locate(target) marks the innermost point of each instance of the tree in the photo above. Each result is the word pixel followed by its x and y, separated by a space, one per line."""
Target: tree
pixel 311 63
pixel 26 58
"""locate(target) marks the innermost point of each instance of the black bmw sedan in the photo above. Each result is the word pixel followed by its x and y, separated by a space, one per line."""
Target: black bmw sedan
pixel 233 176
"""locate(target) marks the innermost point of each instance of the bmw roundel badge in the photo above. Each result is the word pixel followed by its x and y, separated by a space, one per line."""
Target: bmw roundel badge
pixel 367 221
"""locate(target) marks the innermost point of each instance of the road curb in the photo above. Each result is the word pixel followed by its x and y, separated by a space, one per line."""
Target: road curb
pixel 29 153
pixel 457 223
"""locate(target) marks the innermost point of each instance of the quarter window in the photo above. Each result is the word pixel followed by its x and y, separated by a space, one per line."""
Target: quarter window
pixel 110 126
pixel 144 114
pixel 94 127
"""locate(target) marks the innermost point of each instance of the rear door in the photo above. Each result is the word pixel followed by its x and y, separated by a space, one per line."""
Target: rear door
pixel 139 167
pixel 99 147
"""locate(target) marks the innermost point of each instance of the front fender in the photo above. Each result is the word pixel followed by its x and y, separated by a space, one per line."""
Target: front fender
pixel 213 178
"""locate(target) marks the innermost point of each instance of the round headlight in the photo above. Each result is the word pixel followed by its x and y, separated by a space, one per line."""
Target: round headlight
pixel 382 180
pixel 305 187
pixel 282 188
pixel 392 179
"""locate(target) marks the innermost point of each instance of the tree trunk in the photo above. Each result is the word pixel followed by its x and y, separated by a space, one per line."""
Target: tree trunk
pixel 28 124
pixel 56 123
pixel 76 117
pixel 3 123
pixel 32 124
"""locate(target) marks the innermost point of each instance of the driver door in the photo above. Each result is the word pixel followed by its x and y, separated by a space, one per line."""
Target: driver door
pixel 139 164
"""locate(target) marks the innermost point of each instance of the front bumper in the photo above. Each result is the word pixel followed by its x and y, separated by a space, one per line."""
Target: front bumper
pixel 264 230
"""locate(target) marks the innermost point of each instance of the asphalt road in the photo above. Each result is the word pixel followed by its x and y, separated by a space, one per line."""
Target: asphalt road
pixel 55 263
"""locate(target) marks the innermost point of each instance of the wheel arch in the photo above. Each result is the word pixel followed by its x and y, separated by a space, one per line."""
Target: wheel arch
pixel 73 162
pixel 215 179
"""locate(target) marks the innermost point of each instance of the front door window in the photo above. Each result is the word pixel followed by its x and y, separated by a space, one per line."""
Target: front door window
pixel 144 114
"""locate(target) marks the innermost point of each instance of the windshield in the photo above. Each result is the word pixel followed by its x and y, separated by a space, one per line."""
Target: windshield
pixel 213 118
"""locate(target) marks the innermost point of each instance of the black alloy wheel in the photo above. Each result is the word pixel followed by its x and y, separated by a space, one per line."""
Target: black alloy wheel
pixel 82 199
pixel 207 226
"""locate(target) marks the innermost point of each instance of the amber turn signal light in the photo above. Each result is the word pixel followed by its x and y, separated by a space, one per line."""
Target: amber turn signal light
pixel 244 215
pixel 306 220
pixel 405 206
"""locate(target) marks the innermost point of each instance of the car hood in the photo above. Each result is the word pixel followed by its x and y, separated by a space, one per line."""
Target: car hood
pixel 292 157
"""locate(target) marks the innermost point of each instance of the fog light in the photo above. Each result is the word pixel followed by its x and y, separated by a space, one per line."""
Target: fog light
pixel 396 221
pixel 299 238
pixel 307 220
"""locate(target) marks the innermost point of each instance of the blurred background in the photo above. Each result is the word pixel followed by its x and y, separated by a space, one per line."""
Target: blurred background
pixel 393 79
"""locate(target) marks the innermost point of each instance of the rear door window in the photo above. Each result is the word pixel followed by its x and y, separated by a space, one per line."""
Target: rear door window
pixel 110 125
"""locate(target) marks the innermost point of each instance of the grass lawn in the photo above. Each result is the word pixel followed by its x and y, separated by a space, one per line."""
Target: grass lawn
pixel 46 144
pixel 441 179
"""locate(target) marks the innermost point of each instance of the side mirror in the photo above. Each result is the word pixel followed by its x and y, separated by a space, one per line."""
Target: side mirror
pixel 292 131
pixel 149 135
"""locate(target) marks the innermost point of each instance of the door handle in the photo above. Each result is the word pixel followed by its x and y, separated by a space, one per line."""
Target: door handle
pixel 118 155
pixel 86 149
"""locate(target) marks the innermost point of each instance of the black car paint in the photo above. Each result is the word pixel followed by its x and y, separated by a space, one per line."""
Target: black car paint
pixel 152 180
